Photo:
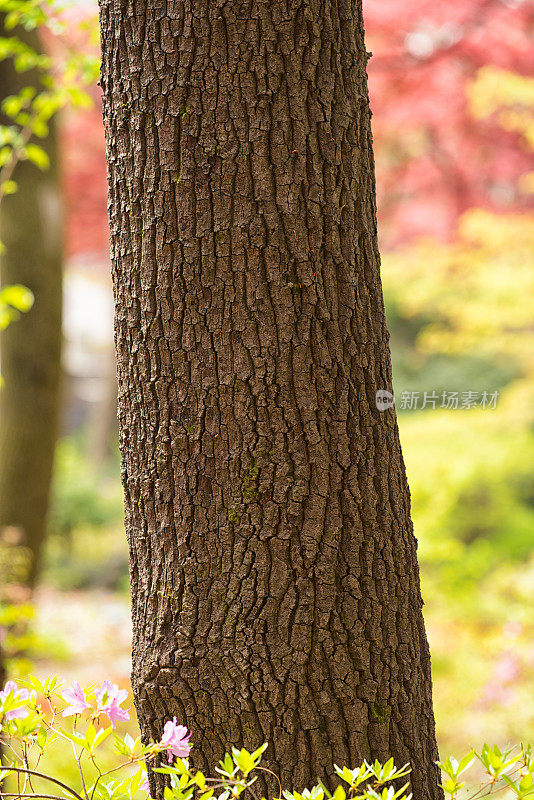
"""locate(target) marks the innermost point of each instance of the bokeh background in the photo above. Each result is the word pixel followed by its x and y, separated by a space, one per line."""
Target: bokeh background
pixel 452 94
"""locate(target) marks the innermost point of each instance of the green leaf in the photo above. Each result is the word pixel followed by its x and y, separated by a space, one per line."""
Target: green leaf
pixel 7 315
pixel 121 746
pixel 9 187
pixel 465 762
pixel 6 153
pixel 27 726
pixel 101 736
pixel 243 760
pixel 226 766
pixel 41 738
pixel 256 755
pixel 339 793
pixel 52 685
pixel 17 296
pixel 136 780
pixel 40 128
pixel 90 734
pixel 75 737
pixel 11 105
pixel 353 776
pixel 37 156
pixel 200 780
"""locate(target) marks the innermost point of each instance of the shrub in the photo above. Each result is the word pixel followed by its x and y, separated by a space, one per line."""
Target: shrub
pixel 33 715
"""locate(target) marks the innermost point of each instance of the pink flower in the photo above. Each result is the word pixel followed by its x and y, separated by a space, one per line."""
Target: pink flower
pixel 75 697
pixel 175 739
pixel 20 694
pixel 108 699
pixel 145 786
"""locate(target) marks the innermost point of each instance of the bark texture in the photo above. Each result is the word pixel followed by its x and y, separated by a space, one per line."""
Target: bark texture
pixel 275 586
pixel 31 231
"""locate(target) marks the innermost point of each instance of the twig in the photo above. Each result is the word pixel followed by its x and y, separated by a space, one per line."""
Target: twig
pixel 264 769
pixel 35 794
pixel 46 778
pixel 78 760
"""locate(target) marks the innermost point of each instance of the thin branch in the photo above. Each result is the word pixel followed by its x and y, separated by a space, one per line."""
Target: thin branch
pixel 46 778
pixel 264 769
pixel 91 756
pixel 109 771
pixel 78 759
pixel 35 794
pixel 487 788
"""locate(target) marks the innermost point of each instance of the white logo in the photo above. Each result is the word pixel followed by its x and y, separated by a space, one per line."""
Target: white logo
pixel 384 400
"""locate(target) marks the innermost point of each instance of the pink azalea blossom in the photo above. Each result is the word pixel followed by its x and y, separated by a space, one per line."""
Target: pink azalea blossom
pixel 108 699
pixel 175 739
pixel 20 694
pixel 75 697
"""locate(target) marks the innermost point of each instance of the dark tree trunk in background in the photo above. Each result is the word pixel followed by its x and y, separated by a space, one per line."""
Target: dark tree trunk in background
pixel 30 229
pixel 274 574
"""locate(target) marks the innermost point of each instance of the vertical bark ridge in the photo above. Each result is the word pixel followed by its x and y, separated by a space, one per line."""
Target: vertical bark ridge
pixel 275 588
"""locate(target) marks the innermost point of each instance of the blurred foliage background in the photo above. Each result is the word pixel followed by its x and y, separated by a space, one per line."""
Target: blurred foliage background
pixel 452 94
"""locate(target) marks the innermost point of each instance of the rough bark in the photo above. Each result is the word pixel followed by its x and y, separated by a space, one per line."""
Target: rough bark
pixel 275 586
pixel 30 229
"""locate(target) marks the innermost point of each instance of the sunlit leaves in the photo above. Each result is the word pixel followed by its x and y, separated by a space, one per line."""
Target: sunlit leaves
pixel 497 762
pixel 388 771
pixel 47 687
pixel 246 761
pixel 316 793
pixel 55 84
pixel 13 300
pixel 354 777
pixel 507 95
pixel 479 291
pixel 511 769
pixel 91 739
pixel 8 187
pixel 128 746
pixel 30 14
pixel 36 155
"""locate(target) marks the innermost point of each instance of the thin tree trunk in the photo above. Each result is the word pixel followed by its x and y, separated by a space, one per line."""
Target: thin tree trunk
pixel 275 587
pixel 30 229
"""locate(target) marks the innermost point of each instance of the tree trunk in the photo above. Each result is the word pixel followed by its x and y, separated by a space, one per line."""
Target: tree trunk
pixel 30 229
pixel 273 565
